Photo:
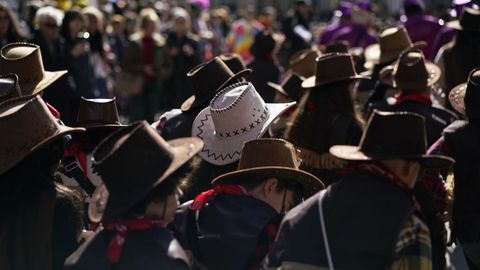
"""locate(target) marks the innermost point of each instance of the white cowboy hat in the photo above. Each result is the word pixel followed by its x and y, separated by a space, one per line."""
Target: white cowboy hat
pixel 237 114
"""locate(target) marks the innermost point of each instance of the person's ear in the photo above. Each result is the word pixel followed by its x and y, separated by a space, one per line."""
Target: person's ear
pixel 270 186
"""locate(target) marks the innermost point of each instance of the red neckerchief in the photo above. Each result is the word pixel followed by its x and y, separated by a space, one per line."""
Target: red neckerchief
pixel 403 96
pixel 205 197
pixel 121 228
pixel 379 169
pixel 76 150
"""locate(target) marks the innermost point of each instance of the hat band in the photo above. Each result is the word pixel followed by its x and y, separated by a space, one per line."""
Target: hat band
pixel 242 130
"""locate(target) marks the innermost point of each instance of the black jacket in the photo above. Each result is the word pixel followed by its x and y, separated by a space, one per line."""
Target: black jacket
pixel 463 139
pixel 152 249
pixel 223 235
pixel 364 214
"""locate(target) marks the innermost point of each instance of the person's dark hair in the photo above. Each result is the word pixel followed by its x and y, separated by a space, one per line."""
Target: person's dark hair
pixel 159 193
pixel 412 9
pixel 14 32
pixel 70 15
pixel 317 112
pixel 250 183
pixel 202 173
pixel 263 46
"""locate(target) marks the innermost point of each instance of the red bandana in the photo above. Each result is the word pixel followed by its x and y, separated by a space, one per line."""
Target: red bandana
pixel 379 169
pixel 76 150
pixel 403 96
pixel 53 111
pixel 121 228
pixel 205 197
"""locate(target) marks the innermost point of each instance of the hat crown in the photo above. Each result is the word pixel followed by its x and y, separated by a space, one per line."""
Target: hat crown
pixel 26 122
pixel 472 95
pixel 25 60
pixel 147 154
pixel 237 109
pixel 268 153
pixel 97 111
pixel 394 40
pixel 470 19
pixel 293 85
pixel 385 135
pixel 303 63
pixel 233 61
pixel 208 77
pixel 340 46
pixel 411 68
pixel 334 67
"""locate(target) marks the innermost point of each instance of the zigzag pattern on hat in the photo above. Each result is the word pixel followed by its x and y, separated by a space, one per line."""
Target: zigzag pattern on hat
pixel 209 153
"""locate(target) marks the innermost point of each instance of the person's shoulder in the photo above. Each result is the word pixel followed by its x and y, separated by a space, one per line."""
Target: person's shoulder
pixel 305 208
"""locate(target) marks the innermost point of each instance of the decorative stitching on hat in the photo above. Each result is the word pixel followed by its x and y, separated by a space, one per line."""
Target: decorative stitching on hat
pixel 209 153
pixel 229 88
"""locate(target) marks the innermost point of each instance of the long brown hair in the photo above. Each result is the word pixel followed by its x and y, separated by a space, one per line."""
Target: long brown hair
pixel 319 108
pixel 14 33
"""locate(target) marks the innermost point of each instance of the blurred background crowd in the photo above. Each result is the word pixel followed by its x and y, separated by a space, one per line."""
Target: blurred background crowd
pixel 107 45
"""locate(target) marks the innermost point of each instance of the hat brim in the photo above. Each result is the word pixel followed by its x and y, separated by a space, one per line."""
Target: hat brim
pixel 354 153
pixel 456 97
pixel 374 56
pixel 195 102
pixel 311 81
pixel 49 78
pixel 222 151
pixel 310 183
pixel 457 26
pixel 278 88
pixel 182 149
pixel 57 136
pixel 388 79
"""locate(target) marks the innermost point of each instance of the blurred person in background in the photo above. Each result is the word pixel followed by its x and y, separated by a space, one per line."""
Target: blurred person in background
pixel 265 66
pixel 183 49
pixel 359 32
pixel 77 50
pixel 117 38
pixel 242 33
pixel 341 19
pixel 296 28
pixel 61 94
pixel 10 30
pixel 220 24
pixel 147 54
pixel 97 40
pixel 421 27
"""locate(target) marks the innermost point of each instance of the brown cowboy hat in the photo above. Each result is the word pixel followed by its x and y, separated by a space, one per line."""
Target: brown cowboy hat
pixel 26 125
pixel 290 87
pixel 25 60
pixel 150 161
pixel 9 87
pixel 272 158
pixel 469 21
pixel 98 113
pixel 392 135
pixel 207 78
pixel 392 42
pixel 464 92
pixel 234 62
pixel 411 72
pixel 332 68
pixel 303 62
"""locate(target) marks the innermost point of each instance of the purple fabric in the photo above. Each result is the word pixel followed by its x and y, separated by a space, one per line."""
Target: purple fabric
pixel 459 5
pixel 205 4
pixel 445 36
pixel 356 36
pixel 364 5
pixel 424 28
pixel 346 9
pixel 330 31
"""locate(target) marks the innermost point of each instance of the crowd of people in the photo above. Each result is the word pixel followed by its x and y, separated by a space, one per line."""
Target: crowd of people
pixel 153 135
